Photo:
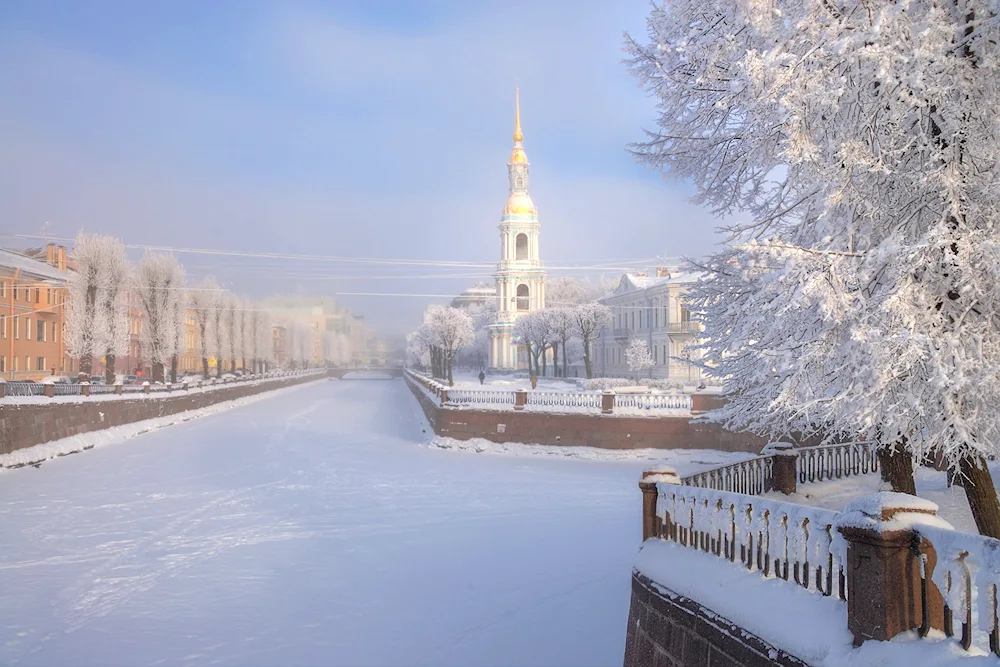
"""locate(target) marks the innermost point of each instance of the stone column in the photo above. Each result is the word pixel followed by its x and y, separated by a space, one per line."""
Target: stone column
pixel 118 389
pixel 784 466
pixel 85 390
pixel 607 402
pixel 520 399
pixel 647 484
pixel 882 572
pixel 49 389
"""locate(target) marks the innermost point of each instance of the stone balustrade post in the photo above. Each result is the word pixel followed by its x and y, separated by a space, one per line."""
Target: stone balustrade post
pixel 520 399
pixel 444 396
pixel 85 390
pixel 145 388
pixel 882 573
pixel 3 389
pixel 651 523
pixel 49 389
pixel 607 402
pixel 170 387
pixel 784 466
pixel 118 389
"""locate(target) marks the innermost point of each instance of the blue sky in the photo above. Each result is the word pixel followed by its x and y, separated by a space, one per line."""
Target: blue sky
pixel 368 129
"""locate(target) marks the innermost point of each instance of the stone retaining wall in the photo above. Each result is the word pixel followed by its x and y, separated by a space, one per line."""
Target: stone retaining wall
pixel 667 630
pixel 604 431
pixel 25 425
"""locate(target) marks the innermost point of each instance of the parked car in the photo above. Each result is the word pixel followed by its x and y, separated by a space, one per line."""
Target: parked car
pixel 56 379
pixel 97 379
pixel 131 379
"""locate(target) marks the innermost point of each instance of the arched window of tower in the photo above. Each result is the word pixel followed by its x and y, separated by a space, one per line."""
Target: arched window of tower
pixel 521 249
pixel 522 293
pixel 520 182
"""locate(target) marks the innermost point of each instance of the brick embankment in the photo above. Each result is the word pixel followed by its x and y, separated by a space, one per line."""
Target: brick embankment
pixel 27 424
pixel 669 631
pixel 604 431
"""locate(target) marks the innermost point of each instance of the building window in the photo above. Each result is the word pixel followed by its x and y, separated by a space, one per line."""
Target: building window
pixel 522 297
pixel 48 296
pixel 17 329
pixel 15 363
pixel 3 364
pixel 41 331
pixel 685 314
pixel 3 326
pixel 3 289
pixel 633 320
pixel 656 318
pixel 655 360
pixel 27 329
pixel 520 182
pixel 41 363
pixel 55 336
pixel 521 246
pixel 15 292
pixel 38 297
pixel 27 363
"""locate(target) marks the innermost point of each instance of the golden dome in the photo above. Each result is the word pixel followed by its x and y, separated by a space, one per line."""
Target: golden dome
pixel 519 204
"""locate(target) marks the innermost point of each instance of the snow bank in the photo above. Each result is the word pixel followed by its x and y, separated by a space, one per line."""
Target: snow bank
pixel 687 461
pixel 38 453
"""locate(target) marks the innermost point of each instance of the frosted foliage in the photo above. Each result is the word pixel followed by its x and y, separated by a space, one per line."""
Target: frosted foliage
pixel 224 327
pixel 534 328
pixel 859 141
pixel 637 355
pixel 97 307
pixel 337 347
pixel 590 317
pixel 203 301
pixel 248 330
pixel 263 336
pixel 299 342
pixel 449 329
pixel 565 291
pixel 159 285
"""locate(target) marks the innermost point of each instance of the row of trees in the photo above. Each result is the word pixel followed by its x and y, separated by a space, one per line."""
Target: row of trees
pixel 554 329
pixel 230 327
pixel 861 297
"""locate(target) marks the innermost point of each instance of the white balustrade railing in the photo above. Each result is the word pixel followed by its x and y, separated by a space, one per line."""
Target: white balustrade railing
pixel 818 464
pixel 553 401
pixel 481 397
pixel 652 402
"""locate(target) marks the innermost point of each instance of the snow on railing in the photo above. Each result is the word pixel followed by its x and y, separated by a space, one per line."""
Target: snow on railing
pixel 551 401
pixel 430 388
pixel 24 389
pixel 653 401
pixel 751 477
pixel 66 389
pixel 818 464
pixel 967 574
pixel 102 389
pixel 780 540
pixel 481 397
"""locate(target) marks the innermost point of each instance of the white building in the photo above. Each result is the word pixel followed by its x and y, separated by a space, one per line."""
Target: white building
pixel 520 280
pixel 652 309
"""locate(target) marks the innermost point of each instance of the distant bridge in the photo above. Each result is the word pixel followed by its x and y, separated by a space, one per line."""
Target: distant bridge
pixel 364 372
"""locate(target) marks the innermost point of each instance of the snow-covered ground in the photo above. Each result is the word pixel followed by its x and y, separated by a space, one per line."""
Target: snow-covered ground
pixel 317 526
pixel 931 484
pixel 469 380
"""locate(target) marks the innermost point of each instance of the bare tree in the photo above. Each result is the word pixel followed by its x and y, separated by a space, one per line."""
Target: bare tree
pixel 590 318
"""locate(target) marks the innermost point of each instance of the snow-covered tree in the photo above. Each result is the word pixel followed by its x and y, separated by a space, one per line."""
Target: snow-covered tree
pixel 590 317
pixel 861 295
pixel 263 341
pixel 418 347
pixel 562 321
pixel 159 284
pixel 203 301
pixel 533 330
pixel 450 329
pixel 565 292
pixel 97 307
pixel 224 331
pixel 638 357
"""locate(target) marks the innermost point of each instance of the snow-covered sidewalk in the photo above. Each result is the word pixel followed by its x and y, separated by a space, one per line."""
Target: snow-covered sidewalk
pixel 316 526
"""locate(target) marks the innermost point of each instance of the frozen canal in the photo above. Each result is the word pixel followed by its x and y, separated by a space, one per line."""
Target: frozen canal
pixel 314 528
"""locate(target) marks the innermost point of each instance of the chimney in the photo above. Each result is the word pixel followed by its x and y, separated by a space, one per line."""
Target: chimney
pixel 61 258
pixel 50 254
pixel 662 272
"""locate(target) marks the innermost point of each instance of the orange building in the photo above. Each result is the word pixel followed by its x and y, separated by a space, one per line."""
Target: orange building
pixel 33 289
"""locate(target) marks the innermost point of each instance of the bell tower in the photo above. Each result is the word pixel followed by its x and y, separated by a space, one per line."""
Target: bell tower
pixel 520 279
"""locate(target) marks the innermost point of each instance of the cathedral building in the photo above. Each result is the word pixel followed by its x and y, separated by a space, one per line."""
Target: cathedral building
pixel 520 279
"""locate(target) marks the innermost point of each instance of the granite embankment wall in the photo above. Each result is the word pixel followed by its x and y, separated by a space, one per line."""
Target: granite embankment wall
pixel 605 431
pixel 27 424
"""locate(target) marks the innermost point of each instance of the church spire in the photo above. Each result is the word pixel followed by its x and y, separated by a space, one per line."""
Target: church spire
pixel 518 137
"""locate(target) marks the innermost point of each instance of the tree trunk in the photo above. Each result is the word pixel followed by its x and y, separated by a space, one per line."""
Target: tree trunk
pixel 981 494
pixel 157 372
pixel 173 368
pixel 555 359
pixel 204 366
pixel 86 365
pixel 586 359
pixel 545 360
pixel 109 368
pixel 565 358
pixel 897 468
pixel 451 380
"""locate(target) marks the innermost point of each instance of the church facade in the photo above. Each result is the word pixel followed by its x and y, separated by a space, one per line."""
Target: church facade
pixel 520 279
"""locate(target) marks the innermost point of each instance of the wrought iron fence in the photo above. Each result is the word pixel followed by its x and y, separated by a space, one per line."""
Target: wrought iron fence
pixel 481 397
pixel 751 477
pixel 967 574
pixel 65 389
pixel 818 464
pixel 24 389
pixel 780 540
pixel 102 389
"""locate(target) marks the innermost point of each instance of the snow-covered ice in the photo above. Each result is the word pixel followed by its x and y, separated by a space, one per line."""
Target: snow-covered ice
pixel 316 527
